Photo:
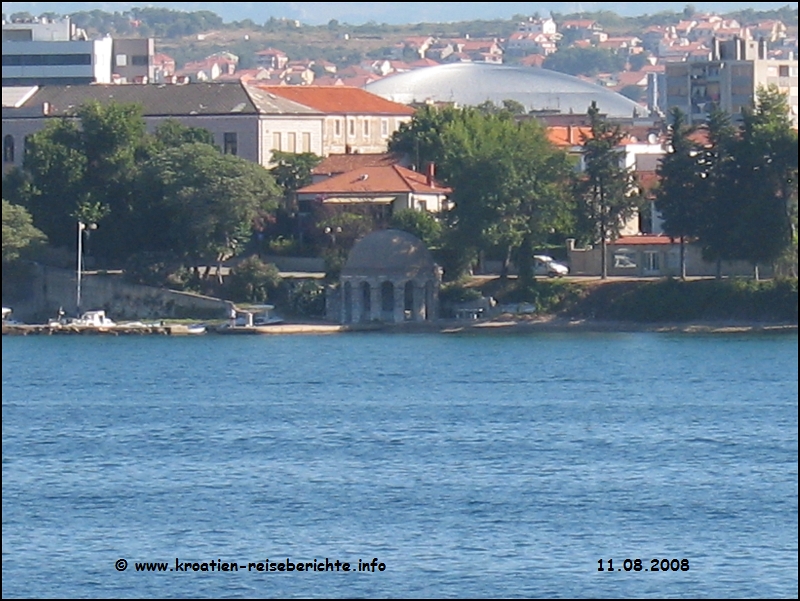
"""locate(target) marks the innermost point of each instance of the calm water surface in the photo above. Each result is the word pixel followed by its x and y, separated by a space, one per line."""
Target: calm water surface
pixel 469 466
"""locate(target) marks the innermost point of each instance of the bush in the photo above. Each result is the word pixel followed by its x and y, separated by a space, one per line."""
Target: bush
pixel 421 224
pixel 308 299
pixel 150 269
pixel 673 300
pixel 458 292
pixel 546 295
pixel 252 281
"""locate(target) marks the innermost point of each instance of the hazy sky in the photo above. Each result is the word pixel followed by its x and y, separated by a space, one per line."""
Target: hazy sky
pixel 384 12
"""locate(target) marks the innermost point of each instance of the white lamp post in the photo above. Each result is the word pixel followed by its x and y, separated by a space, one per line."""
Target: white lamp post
pixel 81 227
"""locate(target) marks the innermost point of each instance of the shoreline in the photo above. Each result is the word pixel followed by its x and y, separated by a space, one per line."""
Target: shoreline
pixel 547 324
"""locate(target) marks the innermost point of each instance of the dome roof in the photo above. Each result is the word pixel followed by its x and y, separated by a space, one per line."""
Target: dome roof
pixel 391 253
pixel 470 84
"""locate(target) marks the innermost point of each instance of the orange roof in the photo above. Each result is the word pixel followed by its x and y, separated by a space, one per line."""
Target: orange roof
pixel 644 239
pixel 568 135
pixel 390 179
pixel 565 136
pixel 339 100
pixel 335 164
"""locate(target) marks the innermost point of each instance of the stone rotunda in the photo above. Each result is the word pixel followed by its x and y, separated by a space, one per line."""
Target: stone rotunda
pixel 390 277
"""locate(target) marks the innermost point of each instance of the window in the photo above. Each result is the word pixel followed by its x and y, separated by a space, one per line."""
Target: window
pixel 652 261
pixel 276 141
pixel 292 145
pixel 366 128
pixel 306 142
pixel 50 60
pixel 140 61
pixel 229 143
pixel 8 149
pixel 352 127
pixel 122 60
pixel 624 259
pixel 783 71
pixel 384 128
pixel 337 128
pixel 423 205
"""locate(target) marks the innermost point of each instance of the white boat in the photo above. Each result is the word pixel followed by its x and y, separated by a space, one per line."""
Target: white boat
pixel 94 319
pixel 255 319
pixel 7 321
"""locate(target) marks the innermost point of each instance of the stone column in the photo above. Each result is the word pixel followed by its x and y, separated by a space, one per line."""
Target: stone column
pixel 355 301
pixel 375 300
pixel 399 301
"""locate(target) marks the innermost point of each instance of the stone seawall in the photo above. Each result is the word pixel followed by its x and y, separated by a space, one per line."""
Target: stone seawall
pixel 49 288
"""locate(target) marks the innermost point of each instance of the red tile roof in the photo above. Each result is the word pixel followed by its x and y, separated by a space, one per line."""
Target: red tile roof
pixel 336 164
pixel 646 239
pixel 339 100
pixel 390 179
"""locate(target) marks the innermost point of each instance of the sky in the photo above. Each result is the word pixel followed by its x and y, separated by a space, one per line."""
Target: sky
pixel 355 13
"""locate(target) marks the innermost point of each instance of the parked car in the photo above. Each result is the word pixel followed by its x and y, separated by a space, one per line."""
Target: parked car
pixel 544 265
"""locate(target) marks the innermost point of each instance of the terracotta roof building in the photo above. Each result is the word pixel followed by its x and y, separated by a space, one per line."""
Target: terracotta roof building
pixel 336 164
pixel 356 121
pixel 390 186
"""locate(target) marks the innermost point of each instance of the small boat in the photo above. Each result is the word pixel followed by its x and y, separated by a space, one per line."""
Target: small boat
pixel 7 321
pixel 196 329
pixel 94 319
pixel 255 319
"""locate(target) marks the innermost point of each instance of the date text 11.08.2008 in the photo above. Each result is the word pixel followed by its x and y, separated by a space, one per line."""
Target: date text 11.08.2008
pixel 636 565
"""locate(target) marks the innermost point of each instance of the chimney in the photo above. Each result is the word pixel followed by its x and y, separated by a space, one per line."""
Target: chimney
pixel 429 174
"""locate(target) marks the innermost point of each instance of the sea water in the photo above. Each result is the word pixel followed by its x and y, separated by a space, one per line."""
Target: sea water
pixel 433 465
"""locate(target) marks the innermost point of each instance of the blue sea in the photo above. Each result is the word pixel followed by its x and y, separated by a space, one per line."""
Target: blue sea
pixel 432 465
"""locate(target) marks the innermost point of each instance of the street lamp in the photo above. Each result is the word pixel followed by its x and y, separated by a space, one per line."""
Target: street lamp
pixel 81 227
pixel 332 231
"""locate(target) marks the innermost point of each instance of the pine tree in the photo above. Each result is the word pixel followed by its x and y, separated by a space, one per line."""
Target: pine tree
pixel 609 188
pixel 679 195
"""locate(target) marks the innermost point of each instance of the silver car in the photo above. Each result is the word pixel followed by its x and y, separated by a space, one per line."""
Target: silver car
pixel 544 265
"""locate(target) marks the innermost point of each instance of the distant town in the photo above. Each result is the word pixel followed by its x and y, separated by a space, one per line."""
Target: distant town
pixel 358 129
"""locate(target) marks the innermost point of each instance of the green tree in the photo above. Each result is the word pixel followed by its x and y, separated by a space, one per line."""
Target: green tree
pixel 765 172
pixel 293 171
pixel 204 202
pixel 253 281
pixel 172 132
pixel 679 196
pixel 717 220
pixel 83 167
pixel 609 187
pixel 422 224
pixel 508 185
pixel 19 234
pixel 421 138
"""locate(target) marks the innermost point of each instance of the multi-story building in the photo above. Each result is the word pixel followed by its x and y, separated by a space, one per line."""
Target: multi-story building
pixel 355 120
pixel 249 121
pixel 729 80
pixel 243 120
pixel 55 52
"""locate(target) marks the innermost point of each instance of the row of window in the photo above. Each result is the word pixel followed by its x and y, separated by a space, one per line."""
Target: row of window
pixel 47 60
pixel 365 128
pixel 288 142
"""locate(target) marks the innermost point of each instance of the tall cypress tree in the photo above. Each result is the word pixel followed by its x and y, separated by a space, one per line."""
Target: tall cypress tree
pixel 609 187
pixel 679 195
